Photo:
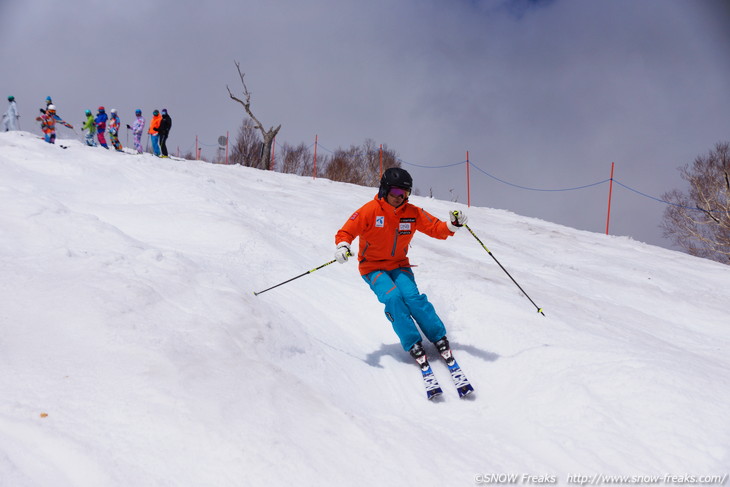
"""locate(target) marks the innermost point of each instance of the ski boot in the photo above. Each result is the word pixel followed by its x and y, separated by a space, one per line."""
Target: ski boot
pixel 445 351
pixel 419 355
pixel 433 389
pixel 463 386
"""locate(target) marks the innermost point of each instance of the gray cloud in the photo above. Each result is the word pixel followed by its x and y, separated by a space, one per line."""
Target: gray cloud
pixel 542 94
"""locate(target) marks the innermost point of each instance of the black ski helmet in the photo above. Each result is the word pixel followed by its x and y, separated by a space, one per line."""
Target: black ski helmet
pixel 394 177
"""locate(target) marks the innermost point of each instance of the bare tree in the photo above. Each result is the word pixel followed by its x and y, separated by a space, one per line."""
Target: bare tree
pixel 346 166
pixel 699 221
pixel 296 160
pixel 388 158
pixel 267 135
pixel 246 149
pixel 360 164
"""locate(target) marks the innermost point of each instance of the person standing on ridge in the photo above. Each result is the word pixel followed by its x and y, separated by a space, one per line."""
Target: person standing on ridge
pixel 100 121
pixel 385 226
pixel 165 126
pixel 56 117
pixel 10 117
pixel 49 102
pixel 90 126
pixel 137 129
pixel 154 131
pixel 114 125
pixel 48 121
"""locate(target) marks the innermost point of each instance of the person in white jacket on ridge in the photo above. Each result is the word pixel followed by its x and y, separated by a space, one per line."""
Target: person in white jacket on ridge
pixel 10 117
pixel 137 129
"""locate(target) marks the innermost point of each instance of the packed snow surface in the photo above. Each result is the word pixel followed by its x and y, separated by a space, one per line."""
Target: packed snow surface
pixel 135 353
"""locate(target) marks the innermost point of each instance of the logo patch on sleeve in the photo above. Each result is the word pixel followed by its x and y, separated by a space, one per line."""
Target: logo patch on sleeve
pixel 354 215
pixel 379 221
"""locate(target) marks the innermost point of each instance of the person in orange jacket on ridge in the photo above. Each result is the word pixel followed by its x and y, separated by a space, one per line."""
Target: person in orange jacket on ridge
pixel 154 131
pixel 385 226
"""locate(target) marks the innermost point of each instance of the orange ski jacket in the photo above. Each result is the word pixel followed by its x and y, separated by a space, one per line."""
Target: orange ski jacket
pixel 155 124
pixel 385 233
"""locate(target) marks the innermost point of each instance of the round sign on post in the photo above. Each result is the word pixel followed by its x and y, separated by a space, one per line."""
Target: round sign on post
pixel 222 140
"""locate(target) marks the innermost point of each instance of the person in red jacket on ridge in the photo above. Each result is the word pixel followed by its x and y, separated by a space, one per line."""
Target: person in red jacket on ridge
pixel 385 226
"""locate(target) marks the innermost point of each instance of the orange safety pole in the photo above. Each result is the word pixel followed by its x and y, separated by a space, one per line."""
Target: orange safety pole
pixel 610 191
pixel 468 182
pixel 314 169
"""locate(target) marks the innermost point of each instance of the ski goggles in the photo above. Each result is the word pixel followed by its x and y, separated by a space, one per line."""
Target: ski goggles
pixel 399 192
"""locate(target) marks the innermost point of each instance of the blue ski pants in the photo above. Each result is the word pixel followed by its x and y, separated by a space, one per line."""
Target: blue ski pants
pixel 155 144
pixel 403 302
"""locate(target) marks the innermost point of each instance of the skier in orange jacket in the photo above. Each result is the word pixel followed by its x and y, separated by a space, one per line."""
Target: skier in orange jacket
pixel 154 132
pixel 385 227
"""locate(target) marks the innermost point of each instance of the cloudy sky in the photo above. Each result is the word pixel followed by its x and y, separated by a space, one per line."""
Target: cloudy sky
pixel 544 94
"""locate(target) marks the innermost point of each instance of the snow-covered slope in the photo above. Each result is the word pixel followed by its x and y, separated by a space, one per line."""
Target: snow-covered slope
pixel 134 352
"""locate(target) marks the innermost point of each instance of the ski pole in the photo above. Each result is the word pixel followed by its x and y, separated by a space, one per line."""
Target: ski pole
pixel 539 309
pixel 297 277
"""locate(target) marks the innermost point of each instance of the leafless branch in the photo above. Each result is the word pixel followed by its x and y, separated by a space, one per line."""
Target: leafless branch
pixel 267 135
pixel 247 97
pixel 699 220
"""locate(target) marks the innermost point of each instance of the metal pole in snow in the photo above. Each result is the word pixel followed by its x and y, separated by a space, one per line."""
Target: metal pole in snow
pixel 610 191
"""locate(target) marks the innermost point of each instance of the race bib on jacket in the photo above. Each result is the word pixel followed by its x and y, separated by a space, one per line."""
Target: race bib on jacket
pixel 404 228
